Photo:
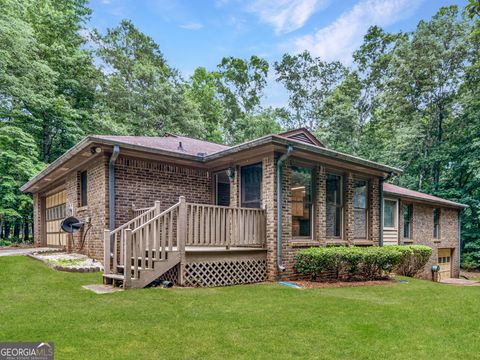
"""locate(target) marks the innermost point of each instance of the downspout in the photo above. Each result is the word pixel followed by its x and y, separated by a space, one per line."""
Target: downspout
pixel 111 187
pixel 459 239
pixel 382 180
pixel 280 162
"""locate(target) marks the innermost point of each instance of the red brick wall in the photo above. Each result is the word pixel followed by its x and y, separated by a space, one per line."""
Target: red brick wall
pixel 422 229
pixel 96 210
pixel 142 182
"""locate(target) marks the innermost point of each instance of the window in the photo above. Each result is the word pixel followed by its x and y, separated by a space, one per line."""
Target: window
pixel 407 221
pixel 83 189
pixel 301 187
pixel 251 186
pixel 222 189
pixel 389 213
pixel 360 208
pixel 436 223
pixel 334 205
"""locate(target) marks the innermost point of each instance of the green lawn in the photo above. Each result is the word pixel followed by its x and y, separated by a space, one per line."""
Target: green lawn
pixel 419 318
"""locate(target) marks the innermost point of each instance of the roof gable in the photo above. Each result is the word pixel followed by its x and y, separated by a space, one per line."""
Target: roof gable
pixel 303 135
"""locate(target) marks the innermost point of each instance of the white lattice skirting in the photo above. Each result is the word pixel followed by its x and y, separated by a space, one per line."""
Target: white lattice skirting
pixel 224 273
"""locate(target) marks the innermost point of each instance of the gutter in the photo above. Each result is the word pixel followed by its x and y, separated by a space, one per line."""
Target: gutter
pixel 280 162
pixel 111 187
pixel 382 180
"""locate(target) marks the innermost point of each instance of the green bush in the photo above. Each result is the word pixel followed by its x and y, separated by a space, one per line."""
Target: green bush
pixel 414 258
pixel 362 262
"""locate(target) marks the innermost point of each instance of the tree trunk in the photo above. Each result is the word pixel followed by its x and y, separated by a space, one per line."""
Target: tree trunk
pixel 26 233
pixel 6 229
pixel 16 230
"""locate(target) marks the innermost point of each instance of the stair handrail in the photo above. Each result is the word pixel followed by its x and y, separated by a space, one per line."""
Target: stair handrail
pixel 138 217
pixel 146 245
pixel 163 213
pixel 109 235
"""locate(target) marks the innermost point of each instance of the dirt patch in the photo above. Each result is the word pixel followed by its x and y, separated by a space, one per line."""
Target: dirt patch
pixel 306 284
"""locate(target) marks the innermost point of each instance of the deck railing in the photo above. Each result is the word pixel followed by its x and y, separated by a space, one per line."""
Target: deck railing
pixel 211 225
pixel 151 235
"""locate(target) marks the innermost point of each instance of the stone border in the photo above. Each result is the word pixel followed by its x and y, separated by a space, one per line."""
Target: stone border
pixel 76 269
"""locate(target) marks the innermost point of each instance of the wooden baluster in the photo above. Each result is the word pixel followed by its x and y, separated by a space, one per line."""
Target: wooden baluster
pixel 156 239
pixel 150 246
pixel 190 225
pixel 106 252
pixel 207 226
pixel 170 229
pixel 202 225
pixel 141 240
pixel 128 259
pixel 120 236
pixel 164 238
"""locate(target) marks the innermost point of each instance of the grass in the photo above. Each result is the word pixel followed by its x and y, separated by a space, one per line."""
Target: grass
pixel 67 262
pixel 417 319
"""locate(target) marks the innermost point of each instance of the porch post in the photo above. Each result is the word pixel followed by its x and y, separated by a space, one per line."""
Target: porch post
pixel 349 209
pixel 181 238
pixel 106 251
pixel 157 207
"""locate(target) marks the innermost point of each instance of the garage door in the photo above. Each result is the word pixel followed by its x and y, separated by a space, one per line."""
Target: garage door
pixel 445 262
pixel 55 213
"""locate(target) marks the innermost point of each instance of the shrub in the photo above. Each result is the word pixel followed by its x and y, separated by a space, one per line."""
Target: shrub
pixel 369 263
pixel 414 258
pixel 362 263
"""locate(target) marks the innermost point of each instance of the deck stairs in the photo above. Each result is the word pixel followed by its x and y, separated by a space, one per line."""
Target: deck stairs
pixel 145 248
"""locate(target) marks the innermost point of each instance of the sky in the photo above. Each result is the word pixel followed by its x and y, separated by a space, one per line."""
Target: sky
pixel 194 33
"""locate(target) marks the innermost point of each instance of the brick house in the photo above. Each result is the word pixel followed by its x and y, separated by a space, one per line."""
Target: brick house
pixel 206 214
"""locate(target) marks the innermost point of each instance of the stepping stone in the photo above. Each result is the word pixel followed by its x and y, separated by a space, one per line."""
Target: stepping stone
pixel 102 289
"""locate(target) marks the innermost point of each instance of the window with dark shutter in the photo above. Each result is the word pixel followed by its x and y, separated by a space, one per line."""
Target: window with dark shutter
pixel 83 189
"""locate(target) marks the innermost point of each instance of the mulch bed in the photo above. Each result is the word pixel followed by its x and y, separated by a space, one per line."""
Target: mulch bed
pixel 307 284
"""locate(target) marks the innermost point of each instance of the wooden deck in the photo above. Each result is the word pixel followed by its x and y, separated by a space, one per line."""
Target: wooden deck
pixel 197 244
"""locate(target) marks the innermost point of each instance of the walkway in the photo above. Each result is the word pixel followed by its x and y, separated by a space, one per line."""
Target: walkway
pixel 22 251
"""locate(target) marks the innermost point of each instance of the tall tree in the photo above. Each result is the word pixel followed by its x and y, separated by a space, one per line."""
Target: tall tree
pixel 141 94
pixel 309 82
pixel 202 90
pixel 240 87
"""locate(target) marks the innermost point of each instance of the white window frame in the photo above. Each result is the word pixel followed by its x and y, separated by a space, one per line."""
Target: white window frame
pixel 395 217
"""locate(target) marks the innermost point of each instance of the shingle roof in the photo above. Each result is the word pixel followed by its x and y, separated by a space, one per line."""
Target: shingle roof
pixel 170 142
pixel 403 192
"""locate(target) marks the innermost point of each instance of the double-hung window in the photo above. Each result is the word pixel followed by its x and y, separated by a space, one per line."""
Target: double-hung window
pixel 301 189
pixel 334 205
pixel 407 221
pixel 436 223
pixel 251 186
pixel 390 214
pixel 360 208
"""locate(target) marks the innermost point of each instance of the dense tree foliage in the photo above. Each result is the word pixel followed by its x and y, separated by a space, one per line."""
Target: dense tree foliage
pixel 409 99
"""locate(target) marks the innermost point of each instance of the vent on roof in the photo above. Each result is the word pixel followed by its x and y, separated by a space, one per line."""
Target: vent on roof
pixel 302 137
pixel 180 146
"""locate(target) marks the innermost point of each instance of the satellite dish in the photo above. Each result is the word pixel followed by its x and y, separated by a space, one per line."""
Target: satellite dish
pixel 71 225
